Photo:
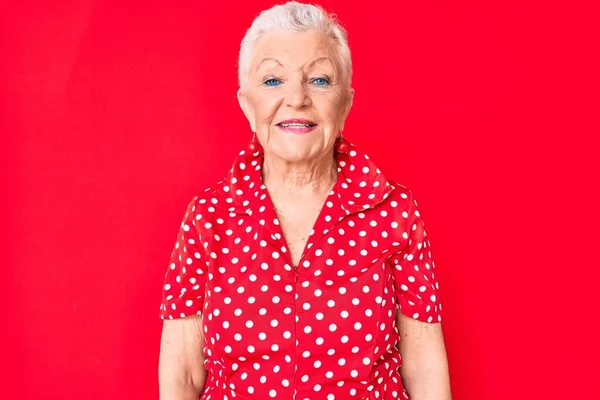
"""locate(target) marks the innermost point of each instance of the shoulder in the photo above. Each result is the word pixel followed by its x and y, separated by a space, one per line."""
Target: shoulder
pixel 400 197
pixel 208 197
pixel 204 204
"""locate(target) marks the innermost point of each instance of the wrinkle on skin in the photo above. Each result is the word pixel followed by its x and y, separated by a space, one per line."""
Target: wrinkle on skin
pixel 296 61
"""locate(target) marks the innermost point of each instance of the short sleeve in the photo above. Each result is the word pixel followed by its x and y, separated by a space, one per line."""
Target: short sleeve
pixel 185 279
pixel 414 269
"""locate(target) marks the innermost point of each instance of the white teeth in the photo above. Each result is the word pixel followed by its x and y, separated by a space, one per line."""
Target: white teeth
pixel 295 125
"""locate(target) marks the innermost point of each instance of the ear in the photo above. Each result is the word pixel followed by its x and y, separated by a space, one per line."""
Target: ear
pixel 350 101
pixel 246 108
pixel 347 105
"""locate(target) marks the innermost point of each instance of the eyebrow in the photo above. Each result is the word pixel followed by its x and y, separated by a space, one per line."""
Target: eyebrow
pixel 320 59
pixel 268 59
pixel 312 63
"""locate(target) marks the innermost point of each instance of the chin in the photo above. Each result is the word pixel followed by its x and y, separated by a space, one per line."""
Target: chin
pixel 294 155
pixel 296 148
pixel 292 152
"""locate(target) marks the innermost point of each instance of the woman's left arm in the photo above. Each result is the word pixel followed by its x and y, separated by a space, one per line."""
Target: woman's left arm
pixel 424 363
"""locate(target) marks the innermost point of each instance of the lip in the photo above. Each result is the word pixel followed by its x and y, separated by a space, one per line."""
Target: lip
pixel 297 131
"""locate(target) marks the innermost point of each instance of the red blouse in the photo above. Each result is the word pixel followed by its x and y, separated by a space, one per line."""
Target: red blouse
pixel 323 330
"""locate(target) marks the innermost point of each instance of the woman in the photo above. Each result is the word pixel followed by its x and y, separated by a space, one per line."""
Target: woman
pixel 296 275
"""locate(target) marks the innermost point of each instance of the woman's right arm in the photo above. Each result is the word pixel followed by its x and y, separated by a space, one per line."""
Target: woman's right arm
pixel 181 372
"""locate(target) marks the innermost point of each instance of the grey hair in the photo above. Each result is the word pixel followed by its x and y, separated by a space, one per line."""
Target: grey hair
pixel 294 17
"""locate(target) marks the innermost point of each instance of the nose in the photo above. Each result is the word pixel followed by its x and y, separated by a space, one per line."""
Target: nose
pixel 297 95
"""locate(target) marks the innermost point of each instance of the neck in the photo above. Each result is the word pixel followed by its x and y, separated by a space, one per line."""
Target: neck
pixel 285 178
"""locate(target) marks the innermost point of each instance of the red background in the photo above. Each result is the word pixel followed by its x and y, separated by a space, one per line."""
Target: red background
pixel 115 113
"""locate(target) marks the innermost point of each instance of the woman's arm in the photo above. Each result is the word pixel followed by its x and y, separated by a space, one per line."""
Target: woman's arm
pixel 181 372
pixel 424 363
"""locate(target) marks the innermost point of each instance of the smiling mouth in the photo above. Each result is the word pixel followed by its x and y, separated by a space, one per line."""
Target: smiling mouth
pixel 300 127
pixel 296 125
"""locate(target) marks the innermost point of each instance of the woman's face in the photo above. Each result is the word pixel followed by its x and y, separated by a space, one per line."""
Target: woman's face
pixel 296 98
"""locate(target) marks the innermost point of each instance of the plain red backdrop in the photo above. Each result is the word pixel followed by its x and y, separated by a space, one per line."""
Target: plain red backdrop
pixel 115 113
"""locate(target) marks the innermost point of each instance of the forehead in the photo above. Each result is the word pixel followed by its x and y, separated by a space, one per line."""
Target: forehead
pixel 294 49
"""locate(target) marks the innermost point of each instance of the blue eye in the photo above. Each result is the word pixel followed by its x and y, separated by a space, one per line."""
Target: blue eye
pixel 321 81
pixel 272 82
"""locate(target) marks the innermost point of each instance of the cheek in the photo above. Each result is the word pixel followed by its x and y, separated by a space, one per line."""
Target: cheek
pixel 265 108
pixel 332 108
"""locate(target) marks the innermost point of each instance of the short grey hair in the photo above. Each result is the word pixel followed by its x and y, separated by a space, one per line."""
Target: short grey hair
pixel 294 17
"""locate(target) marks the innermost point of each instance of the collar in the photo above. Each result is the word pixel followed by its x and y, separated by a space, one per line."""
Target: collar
pixel 360 186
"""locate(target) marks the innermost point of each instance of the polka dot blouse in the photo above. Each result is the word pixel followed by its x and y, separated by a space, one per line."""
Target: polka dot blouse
pixel 325 329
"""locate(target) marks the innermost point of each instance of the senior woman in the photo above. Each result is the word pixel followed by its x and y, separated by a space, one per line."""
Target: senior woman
pixel 296 276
